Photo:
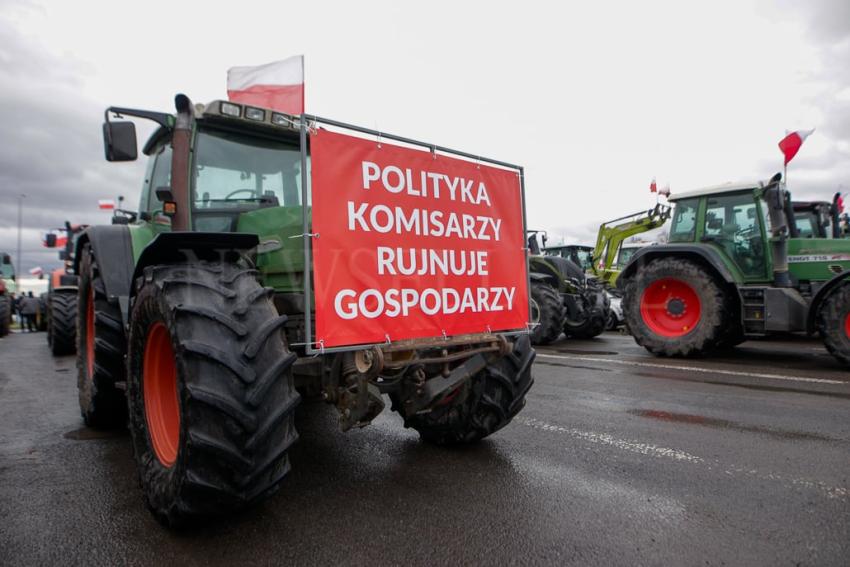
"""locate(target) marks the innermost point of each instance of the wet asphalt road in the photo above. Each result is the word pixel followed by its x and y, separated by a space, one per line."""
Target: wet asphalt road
pixel 742 460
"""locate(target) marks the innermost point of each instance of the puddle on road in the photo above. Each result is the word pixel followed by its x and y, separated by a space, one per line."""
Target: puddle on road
pixel 87 434
pixel 725 424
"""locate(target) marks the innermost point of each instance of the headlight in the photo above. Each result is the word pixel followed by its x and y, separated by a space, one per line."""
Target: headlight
pixel 255 113
pixel 231 109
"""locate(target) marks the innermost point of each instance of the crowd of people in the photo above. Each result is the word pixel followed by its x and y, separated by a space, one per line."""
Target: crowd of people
pixel 29 310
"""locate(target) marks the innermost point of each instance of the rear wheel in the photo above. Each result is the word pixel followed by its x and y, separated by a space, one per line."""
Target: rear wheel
pixel 487 402
pixel 210 391
pixel 100 347
pixel 673 307
pixel 62 329
pixel 834 323
pixel 547 313
pixel 5 314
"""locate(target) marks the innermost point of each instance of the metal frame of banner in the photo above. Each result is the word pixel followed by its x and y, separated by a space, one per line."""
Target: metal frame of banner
pixel 305 119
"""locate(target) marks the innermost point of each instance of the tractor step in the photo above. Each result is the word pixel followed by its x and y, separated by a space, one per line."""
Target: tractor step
pixel 754 311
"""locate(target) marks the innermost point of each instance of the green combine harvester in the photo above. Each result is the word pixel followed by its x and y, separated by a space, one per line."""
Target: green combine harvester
pixel 732 269
pixel 194 306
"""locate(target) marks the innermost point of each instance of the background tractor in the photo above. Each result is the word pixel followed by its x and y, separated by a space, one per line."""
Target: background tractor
pixel 732 270
pixel 61 300
pixel 817 219
pixel 563 298
pixel 195 307
pixel 7 289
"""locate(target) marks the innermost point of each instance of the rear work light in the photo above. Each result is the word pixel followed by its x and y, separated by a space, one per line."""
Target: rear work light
pixel 230 109
pixel 255 113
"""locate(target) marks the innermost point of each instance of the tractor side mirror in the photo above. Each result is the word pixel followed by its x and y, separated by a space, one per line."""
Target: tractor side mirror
pixel 119 141
pixel 63 255
pixel 50 240
pixel 533 247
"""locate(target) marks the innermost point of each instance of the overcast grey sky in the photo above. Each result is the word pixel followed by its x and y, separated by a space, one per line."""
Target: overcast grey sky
pixel 594 99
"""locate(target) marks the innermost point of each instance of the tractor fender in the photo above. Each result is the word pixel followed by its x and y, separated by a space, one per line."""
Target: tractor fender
pixel 543 278
pixel 178 247
pixel 112 246
pixel 820 296
pixel 702 254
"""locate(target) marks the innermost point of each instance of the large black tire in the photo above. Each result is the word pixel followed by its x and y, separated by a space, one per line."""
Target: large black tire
pixel 231 374
pixel 101 346
pixel 62 318
pixel 701 337
pixel 5 314
pixel 834 322
pixel 547 314
pixel 488 402
pixel 592 326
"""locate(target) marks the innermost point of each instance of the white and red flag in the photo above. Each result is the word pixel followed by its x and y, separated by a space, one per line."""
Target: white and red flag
pixel 653 187
pixel 665 190
pixel 791 143
pixel 278 85
pixel 37 271
pixel 106 204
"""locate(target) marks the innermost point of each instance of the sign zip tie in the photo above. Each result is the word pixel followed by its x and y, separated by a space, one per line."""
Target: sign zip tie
pixel 387 336
pixel 379 140
pixel 445 336
pixel 310 234
pixel 489 330
pixel 434 152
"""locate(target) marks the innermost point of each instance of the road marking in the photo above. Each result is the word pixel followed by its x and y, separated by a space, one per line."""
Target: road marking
pixel 732 470
pixel 693 369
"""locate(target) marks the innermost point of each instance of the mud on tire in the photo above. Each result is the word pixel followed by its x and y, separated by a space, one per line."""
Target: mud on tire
pixel 62 318
pixel 834 323
pixel 232 373
pixel 100 347
pixel 548 312
pixel 490 400
pixel 706 333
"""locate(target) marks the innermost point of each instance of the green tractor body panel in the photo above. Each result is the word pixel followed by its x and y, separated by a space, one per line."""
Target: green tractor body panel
pixel 280 258
pixel 818 259
pixel 141 235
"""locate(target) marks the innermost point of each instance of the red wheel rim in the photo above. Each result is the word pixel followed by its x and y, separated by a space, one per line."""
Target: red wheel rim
pixel 159 385
pixel 670 307
pixel 90 334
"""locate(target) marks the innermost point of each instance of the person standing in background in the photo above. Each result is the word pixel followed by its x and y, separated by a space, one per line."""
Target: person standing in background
pixel 29 309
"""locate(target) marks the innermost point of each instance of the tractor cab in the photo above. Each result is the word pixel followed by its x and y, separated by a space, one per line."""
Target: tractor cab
pixel 730 218
pixel 814 219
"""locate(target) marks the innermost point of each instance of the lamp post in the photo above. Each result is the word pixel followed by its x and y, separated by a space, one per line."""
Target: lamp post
pixel 21 198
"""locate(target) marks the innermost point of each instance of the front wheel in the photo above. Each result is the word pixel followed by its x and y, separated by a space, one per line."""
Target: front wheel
pixel 547 313
pixel 62 318
pixel 5 314
pixel 210 391
pixel 674 307
pixel 487 402
pixel 834 323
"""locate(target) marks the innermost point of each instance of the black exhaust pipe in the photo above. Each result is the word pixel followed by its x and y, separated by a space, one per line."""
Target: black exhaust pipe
pixel 775 197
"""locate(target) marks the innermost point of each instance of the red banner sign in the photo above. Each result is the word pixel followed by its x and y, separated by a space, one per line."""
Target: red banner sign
pixel 412 244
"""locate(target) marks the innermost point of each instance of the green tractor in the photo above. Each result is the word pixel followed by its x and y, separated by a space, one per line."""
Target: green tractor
pixel 818 219
pixel 732 270
pixel 7 289
pixel 192 322
pixel 61 301
pixel 563 298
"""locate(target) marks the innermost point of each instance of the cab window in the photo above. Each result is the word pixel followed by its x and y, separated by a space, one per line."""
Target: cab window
pixel 683 228
pixel 733 223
